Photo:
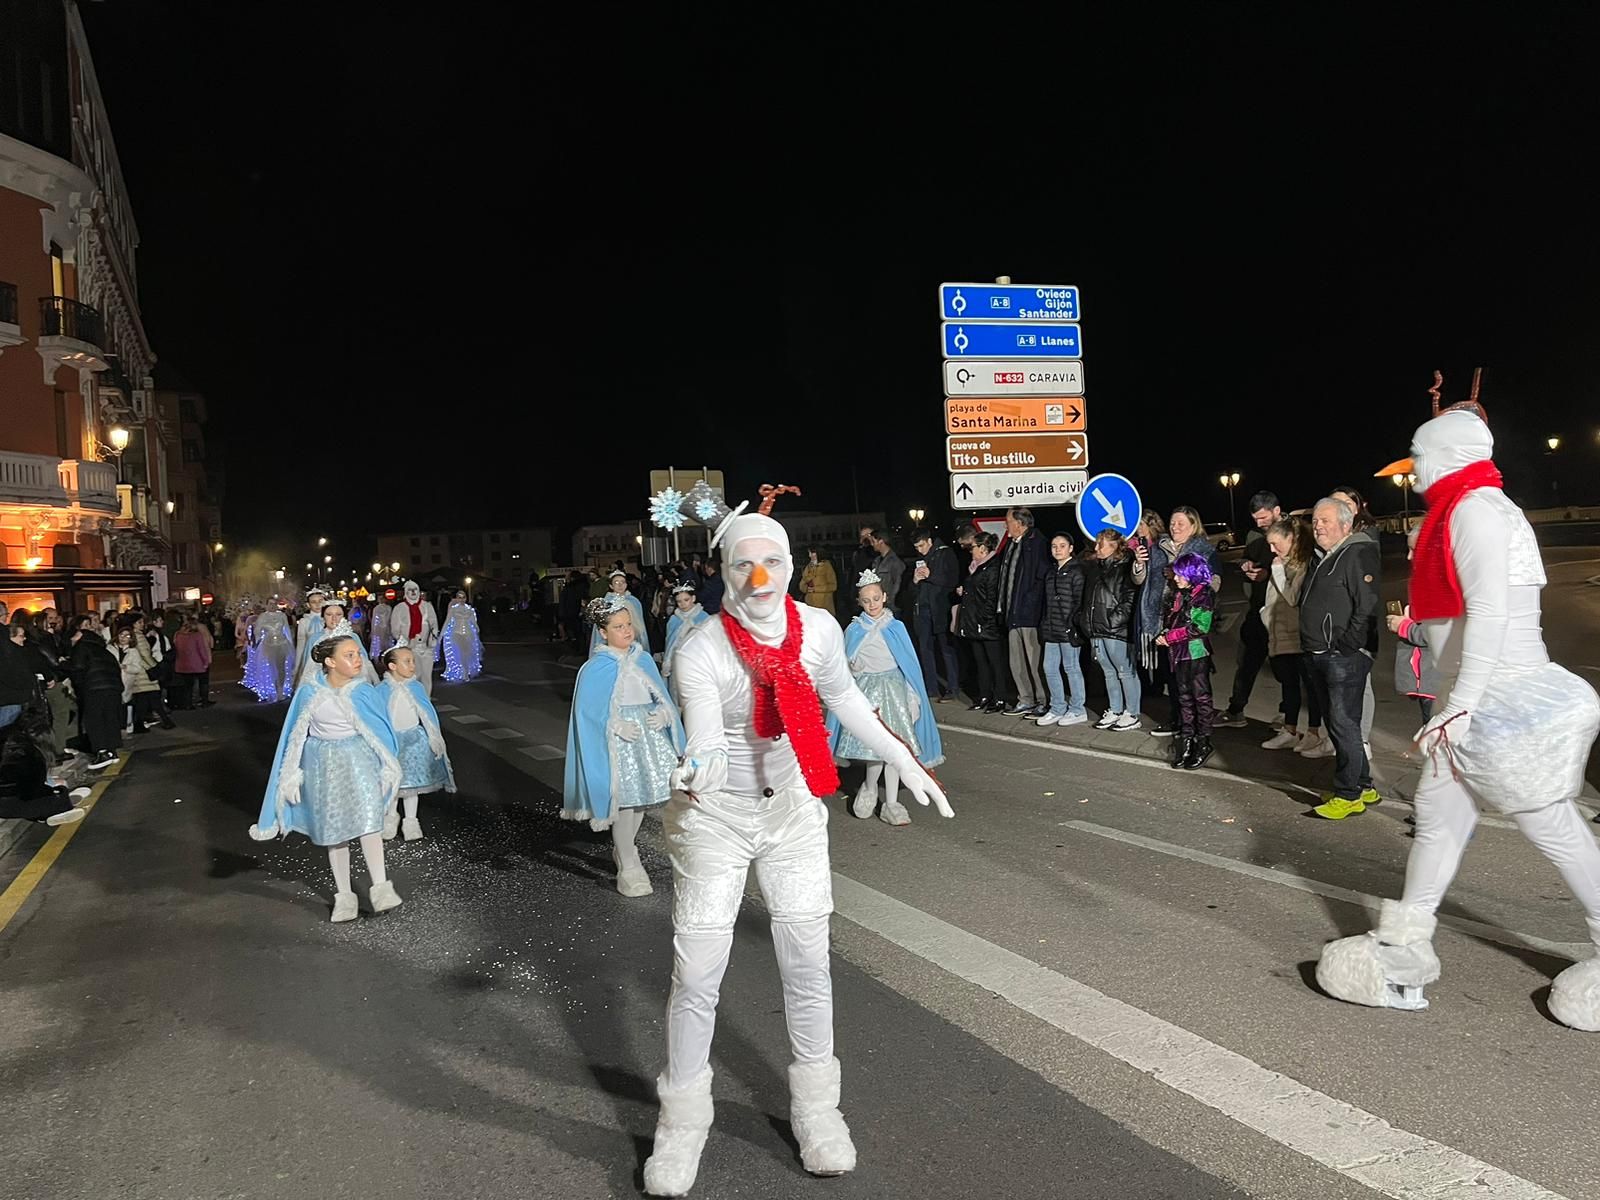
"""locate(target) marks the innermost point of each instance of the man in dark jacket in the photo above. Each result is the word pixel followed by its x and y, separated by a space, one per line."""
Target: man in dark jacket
pixel 18 666
pixel 888 566
pixel 933 581
pixel 1339 614
pixel 97 679
pixel 712 587
pixel 1023 567
pixel 1257 569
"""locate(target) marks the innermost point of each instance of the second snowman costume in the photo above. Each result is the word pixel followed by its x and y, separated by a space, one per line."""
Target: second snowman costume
pixel 749 794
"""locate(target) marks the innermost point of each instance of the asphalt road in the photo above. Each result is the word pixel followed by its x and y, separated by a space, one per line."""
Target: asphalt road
pixel 1093 983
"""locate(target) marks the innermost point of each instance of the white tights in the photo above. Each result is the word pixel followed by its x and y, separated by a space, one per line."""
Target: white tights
pixel 1446 816
pixel 624 829
pixel 371 850
pixel 699 961
pixel 891 781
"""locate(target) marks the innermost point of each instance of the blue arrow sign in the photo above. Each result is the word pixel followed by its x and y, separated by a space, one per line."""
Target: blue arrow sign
pixel 1008 302
pixel 970 339
pixel 1108 502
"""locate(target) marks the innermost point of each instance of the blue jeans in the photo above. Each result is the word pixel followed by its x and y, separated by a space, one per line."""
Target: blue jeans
pixel 1339 681
pixel 1115 657
pixel 9 713
pixel 1059 656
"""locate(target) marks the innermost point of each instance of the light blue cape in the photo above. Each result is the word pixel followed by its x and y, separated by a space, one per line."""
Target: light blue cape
pixel 898 641
pixel 641 635
pixel 372 711
pixel 586 786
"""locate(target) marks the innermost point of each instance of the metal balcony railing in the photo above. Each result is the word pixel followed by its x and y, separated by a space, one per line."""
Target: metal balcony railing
pixel 8 304
pixel 61 317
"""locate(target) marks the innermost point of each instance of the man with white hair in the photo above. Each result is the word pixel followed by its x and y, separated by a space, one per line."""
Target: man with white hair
pixel 751 685
pixel 1338 619
pixel 413 623
pixel 1512 730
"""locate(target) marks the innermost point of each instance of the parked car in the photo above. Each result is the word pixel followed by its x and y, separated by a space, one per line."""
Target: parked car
pixel 1220 535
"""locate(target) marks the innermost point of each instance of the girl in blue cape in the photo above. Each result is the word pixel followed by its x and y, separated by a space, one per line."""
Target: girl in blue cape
pixel 686 616
pixel 335 771
pixel 424 760
pixel 887 671
pixel 623 740
pixel 619 588
pixel 334 624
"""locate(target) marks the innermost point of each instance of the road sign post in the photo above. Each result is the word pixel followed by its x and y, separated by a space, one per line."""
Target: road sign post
pixel 1005 489
pixel 997 414
pixel 972 339
pixel 1007 302
pixel 1017 451
pixel 1108 501
pixel 1008 377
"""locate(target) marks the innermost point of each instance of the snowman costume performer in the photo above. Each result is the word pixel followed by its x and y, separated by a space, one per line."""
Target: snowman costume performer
pixel 463 649
pixel 413 623
pixel 1512 730
pixel 749 793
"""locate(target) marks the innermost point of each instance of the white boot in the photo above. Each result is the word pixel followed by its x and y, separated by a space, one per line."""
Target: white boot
pixel 345 907
pixel 412 828
pixel 894 813
pixel 391 824
pixel 825 1145
pixel 1387 967
pixel 681 1132
pixel 384 897
pixel 1575 996
pixel 866 799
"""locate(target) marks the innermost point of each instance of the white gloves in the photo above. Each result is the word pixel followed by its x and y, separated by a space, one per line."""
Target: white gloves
pixel 708 774
pixel 289 785
pixel 628 731
pixel 1446 723
pixel 659 718
pixel 914 777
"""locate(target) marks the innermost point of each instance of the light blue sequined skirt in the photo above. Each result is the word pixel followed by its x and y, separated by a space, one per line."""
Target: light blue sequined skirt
pixel 643 767
pixel 342 796
pixel 887 692
pixel 420 769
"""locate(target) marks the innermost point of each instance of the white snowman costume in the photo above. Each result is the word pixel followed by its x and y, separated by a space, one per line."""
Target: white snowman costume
pixel 427 623
pixel 1512 733
pixel 743 800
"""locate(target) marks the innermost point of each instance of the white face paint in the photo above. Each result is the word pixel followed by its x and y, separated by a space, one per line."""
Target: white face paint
pixel 413 593
pixel 758 576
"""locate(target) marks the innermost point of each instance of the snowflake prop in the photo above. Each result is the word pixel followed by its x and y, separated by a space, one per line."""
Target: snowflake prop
pixel 666 509
pixel 708 506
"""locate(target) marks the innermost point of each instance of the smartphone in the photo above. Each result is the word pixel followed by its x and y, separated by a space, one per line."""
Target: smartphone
pixel 921 563
pixel 1397 608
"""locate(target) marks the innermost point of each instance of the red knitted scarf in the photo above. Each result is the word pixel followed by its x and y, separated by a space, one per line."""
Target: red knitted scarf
pixel 1435 587
pixel 786 699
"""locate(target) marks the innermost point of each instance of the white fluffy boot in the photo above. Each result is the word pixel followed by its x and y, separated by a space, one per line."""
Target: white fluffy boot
pixel 825 1145
pixel 894 813
pixel 1387 967
pixel 866 800
pixel 1575 995
pixel 681 1133
pixel 632 879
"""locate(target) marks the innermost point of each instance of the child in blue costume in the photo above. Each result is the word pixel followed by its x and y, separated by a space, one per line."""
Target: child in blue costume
pixel 424 760
pixel 333 624
pixel 887 672
pixel 618 585
pixel 687 615
pixel 624 739
pixel 335 772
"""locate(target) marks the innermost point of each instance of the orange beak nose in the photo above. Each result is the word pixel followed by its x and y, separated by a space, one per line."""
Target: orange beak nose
pixel 758 576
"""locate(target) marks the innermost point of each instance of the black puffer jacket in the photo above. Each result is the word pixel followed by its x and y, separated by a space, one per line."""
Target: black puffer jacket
pixel 94 667
pixel 1110 597
pixel 980 602
pixel 1063 598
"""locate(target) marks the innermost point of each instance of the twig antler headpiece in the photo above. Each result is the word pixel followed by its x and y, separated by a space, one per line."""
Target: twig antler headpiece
pixel 769 494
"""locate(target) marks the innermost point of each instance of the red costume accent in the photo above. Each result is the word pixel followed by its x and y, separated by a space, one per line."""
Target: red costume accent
pixel 1435 587
pixel 416 618
pixel 786 699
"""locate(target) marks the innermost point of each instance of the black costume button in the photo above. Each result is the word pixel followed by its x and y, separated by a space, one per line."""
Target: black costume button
pixel 767 792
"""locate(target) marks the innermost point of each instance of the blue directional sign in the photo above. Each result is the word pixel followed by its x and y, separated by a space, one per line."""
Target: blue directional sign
pixel 1008 302
pixel 1108 502
pixel 970 339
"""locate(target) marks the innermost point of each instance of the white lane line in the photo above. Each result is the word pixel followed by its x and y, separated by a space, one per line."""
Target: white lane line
pixel 1356 1143
pixel 1477 929
pixel 543 752
pixel 446 708
pixel 470 719
pixel 501 735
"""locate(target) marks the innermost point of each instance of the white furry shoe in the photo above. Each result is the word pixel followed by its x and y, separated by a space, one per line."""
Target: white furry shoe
pixel 412 828
pixel 1575 996
pixel 345 907
pixel 894 813
pixel 825 1145
pixel 681 1133
pixel 384 897
pixel 633 881
pixel 391 824
pixel 1387 967
pixel 866 800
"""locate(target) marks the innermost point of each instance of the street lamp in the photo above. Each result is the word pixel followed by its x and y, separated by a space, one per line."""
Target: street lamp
pixel 1405 483
pixel 916 515
pixel 171 507
pixel 1229 481
pixel 119 438
pixel 394 566
pixel 1554 443
pixel 322 541
pixel 327 559
pixel 217 549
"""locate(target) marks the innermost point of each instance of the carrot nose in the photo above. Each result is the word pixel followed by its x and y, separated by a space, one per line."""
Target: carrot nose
pixel 758 576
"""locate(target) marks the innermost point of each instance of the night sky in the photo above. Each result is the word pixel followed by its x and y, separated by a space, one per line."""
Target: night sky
pixel 450 264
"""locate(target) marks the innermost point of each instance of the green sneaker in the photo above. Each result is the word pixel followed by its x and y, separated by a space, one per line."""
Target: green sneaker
pixel 1370 796
pixel 1337 808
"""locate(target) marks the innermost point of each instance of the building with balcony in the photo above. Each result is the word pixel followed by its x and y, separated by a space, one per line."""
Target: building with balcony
pixel 195 486
pixel 84 490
